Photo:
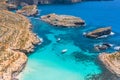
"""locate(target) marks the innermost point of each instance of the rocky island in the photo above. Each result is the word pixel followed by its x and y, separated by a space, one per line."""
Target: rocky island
pixel 16 39
pixel 29 10
pixel 99 32
pixel 63 20
pixel 111 61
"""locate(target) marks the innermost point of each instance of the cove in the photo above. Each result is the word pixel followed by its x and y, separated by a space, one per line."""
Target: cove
pixel 80 62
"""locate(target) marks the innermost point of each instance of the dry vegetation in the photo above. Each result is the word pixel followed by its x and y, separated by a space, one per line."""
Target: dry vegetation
pixel 15 36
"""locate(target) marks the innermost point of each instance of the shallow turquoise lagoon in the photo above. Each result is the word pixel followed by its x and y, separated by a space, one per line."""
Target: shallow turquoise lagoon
pixel 80 62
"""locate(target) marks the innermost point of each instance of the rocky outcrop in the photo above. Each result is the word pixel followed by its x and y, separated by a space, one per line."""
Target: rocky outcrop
pixel 3 5
pixel 15 39
pixel 6 6
pixel 111 61
pixel 29 10
pixel 103 46
pixel 11 7
pixel 99 32
pixel 63 20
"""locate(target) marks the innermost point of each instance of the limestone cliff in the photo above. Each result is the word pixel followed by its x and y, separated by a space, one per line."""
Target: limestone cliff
pixel 63 20
pixel 15 39
pixel 29 10
pixel 111 61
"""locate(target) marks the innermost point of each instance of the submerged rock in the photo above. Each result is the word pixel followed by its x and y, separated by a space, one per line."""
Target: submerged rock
pixel 111 61
pixel 16 38
pixel 99 32
pixel 29 10
pixel 63 20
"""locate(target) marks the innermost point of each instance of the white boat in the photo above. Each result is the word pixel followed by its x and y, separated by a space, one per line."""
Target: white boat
pixel 64 50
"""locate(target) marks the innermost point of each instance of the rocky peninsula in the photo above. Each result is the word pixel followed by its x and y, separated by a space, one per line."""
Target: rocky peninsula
pixel 29 10
pixel 111 61
pixel 16 39
pixel 99 32
pixel 63 20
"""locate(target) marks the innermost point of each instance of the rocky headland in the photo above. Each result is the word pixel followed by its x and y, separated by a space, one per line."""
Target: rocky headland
pixel 16 39
pixel 29 10
pixel 99 32
pixel 111 61
pixel 63 20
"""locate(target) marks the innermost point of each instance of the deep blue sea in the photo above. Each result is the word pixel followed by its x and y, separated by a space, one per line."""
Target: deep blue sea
pixel 80 62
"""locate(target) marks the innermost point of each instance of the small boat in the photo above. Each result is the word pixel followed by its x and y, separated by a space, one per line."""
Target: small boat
pixel 58 39
pixel 64 50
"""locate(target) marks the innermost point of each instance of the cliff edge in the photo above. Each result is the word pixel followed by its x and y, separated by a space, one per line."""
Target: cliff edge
pixel 111 61
pixel 16 39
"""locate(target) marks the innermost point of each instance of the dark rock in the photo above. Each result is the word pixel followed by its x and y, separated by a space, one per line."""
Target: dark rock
pixel 102 46
pixel 11 7
pixel 99 32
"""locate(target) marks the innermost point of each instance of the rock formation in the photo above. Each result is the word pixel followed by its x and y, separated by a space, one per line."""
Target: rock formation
pixel 103 46
pixel 29 10
pixel 6 6
pixel 63 20
pixel 3 5
pixel 111 61
pixel 99 32
pixel 15 39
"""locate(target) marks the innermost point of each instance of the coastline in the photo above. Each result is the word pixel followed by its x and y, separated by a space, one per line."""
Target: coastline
pixel 111 62
pixel 29 47
pixel 13 58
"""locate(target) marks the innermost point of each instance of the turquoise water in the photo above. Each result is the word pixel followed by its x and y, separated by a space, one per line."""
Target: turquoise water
pixel 80 62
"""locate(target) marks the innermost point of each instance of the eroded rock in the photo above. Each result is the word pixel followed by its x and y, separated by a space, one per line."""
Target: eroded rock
pixel 29 10
pixel 111 61
pixel 15 37
pixel 99 32
pixel 103 46
pixel 63 20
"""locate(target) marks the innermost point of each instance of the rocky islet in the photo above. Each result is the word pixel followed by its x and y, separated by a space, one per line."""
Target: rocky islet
pixel 28 10
pixel 99 32
pixel 63 20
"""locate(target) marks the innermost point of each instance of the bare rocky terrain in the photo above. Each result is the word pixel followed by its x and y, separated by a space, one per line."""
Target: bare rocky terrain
pixel 16 39
pixel 63 20
pixel 111 61
pixel 29 10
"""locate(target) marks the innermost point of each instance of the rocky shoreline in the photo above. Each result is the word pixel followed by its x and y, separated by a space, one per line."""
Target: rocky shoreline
pixel 63 20
pixel 13 58
pixel 111 62
pixel 16 39
pixel 29 10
